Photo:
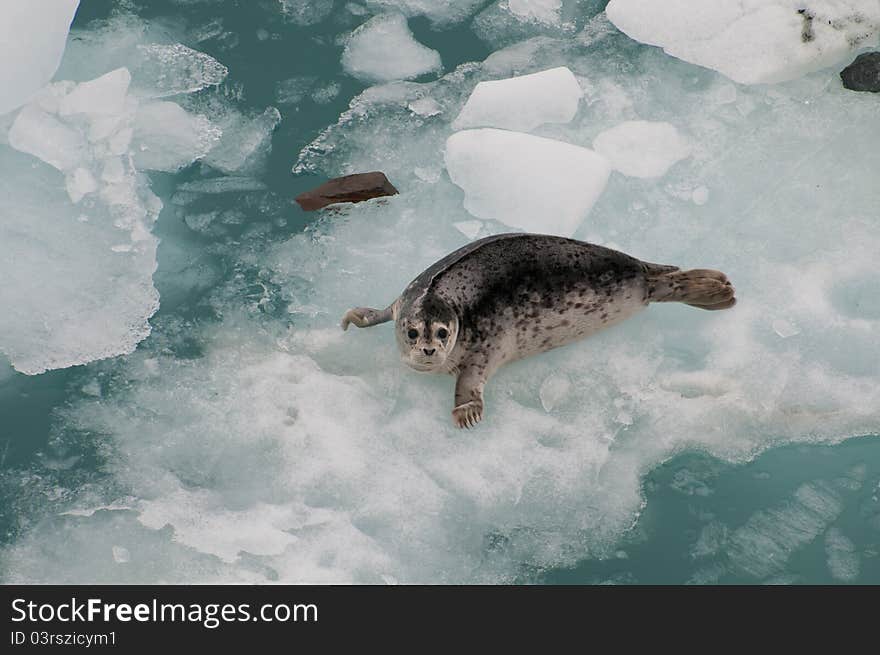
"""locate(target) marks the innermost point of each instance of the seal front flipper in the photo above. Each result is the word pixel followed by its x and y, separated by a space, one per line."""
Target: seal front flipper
pixel 367 316
pixel 469 397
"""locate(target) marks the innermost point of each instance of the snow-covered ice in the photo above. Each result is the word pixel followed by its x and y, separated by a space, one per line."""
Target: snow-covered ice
pixel 522 103
pixel 642 148
pixel 384 49
pixel 32 40
pixel 525 181
pixel 753 42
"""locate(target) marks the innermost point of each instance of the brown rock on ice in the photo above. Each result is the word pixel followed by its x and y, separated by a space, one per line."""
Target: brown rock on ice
pixel 350 188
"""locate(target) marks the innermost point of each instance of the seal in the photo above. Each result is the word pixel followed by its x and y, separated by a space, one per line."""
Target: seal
pixel 510 296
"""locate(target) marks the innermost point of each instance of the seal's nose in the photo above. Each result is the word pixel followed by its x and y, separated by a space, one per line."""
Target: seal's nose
pixel 429 351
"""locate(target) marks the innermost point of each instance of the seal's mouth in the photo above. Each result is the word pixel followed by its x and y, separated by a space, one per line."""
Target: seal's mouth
pixel 423 364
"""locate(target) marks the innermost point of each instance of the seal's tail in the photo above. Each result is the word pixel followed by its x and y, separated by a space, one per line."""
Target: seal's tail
pixel 701 287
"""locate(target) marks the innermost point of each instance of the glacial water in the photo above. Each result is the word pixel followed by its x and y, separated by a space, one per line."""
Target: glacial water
pixel 248 440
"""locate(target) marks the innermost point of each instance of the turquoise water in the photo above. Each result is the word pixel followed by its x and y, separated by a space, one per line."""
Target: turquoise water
pixel 704 519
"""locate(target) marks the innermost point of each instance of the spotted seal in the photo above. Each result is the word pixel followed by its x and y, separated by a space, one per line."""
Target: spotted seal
pixel 509 296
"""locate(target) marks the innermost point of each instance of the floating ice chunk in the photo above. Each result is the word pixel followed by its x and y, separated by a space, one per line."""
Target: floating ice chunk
pixel 294 90
pixel 67 297
pixel 305 12
pixel 544 11
pixel 642 148
pixel 32 39
pixel 103 95
pixel 843 560
pixel 167 137
pixel 326 93
pixel 752 42
pixel 711 539
pixel 245 142
pixel 762 546
pixel 165 70
pixel 383 49
pixel 522 103
pixel 158 68
pixel 222 185
pixel 41 134
pixel 439 12
pixel 525 181
pixel 505 22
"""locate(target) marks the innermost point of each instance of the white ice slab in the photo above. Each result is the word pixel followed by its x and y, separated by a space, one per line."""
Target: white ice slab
pixel 522 103
pixel 525 181
pixel 32 39
pixel 383 49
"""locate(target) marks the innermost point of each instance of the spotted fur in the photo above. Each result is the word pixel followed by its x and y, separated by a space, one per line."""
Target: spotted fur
pixel 509 296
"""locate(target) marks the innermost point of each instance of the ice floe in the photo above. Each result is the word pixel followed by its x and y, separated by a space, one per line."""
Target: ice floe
pixel 32 40
pixel 525 181
pixel 753 42
pixel 78 211
pixel 522 103
pixel 383 49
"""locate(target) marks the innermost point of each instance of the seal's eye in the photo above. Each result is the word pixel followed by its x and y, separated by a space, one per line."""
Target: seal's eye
pixel 413 334
pixel 442 333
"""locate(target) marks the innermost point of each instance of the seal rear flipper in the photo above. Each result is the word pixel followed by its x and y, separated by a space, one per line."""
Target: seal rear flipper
pixel 701 287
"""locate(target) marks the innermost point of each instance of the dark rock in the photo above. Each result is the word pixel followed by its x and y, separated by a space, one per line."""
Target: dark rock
pixel 350 188
pixel 863 74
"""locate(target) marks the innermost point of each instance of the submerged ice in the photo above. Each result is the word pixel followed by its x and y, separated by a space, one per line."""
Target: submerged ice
pixel 264 444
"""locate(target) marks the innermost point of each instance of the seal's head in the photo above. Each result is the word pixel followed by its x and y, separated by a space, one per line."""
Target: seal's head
pixel 426 334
